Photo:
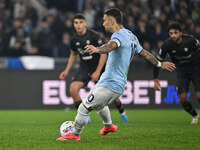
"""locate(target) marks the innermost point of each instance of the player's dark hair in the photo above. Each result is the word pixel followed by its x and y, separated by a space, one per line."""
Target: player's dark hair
pixel 115 13
pixel 79 16
pixel 174 25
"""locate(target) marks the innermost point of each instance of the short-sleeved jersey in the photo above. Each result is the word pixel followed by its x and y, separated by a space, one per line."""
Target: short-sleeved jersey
pixel 115 76
pixel 87 61
pixel 184 55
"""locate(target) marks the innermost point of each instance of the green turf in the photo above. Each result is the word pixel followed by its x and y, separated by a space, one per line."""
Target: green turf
pixel 147 129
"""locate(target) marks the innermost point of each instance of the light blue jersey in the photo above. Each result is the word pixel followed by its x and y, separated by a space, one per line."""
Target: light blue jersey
pixel 115 76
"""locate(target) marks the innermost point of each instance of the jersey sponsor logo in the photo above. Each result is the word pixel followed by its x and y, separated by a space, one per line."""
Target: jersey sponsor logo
pixel 186 57
pixel 87 57
pixel 173 51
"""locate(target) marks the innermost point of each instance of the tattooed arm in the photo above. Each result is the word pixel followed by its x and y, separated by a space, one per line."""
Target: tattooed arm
pixel 106 48
pixel 150 58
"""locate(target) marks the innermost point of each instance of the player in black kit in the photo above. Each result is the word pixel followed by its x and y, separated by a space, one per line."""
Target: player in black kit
pixel 184 52
pixel 90 65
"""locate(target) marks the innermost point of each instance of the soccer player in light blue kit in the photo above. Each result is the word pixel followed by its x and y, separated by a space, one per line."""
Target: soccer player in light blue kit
pixel 121 48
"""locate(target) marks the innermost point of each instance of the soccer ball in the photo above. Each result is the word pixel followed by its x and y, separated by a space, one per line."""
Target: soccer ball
pixel 66 127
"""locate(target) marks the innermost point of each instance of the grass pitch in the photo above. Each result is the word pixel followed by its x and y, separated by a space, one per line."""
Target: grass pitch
pixel 147 129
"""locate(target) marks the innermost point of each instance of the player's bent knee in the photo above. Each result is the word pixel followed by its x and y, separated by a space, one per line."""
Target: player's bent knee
pixel 73 90
pixel 83 111
pixel 182 97
pixel 198 95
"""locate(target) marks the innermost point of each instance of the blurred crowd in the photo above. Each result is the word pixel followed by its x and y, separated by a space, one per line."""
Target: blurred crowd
pixel 44 27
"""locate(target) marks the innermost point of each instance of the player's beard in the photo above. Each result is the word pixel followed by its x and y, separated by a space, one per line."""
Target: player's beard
pixel 176 40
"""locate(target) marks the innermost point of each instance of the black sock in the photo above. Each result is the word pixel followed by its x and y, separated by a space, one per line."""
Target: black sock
pixel 119 106
pixel 77 104
pixel 188 107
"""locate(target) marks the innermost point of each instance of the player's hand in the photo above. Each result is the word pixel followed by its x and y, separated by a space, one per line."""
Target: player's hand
pixel 157 86
pixel 63 75
pixel 95 76
pixel 91 49
pixel 168 66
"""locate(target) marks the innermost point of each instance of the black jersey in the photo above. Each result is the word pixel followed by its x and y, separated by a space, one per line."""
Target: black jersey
pixel 183 55
pixel 87 61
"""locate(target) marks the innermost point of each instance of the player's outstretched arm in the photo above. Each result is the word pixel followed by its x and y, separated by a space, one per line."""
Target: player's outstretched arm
pixel 106 48
pixel 150 58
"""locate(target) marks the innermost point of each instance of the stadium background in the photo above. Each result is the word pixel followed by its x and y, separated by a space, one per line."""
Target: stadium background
pixel 34 49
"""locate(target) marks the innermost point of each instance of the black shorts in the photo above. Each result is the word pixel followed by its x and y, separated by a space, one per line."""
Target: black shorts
pixel 82 75
pixel 184 79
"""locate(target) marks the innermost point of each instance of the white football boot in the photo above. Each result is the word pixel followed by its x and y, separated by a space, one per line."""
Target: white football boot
pixel 195 119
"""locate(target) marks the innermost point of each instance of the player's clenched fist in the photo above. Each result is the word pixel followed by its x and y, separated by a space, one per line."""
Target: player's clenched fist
pixel 63 75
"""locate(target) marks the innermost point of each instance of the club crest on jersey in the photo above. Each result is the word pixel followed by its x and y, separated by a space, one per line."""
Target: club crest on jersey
pixel 77 43
pixel 185 49
pixel 87 41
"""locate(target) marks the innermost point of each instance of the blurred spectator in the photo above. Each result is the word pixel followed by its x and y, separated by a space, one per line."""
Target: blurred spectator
pixel 55 23
pixel 64 46
pixel 183 13
pixel 157 11
pixel 21 16
pixel 130 23
pixel 90 15
pixel 146 18
pixel 31 13
pixel 135 12
pixel 19 6
pixel 196 17
pixel 2 12
pixel 46 40
pixel 8 20
pixel 142 32
pixel 79 6
pixel 2 40
pixel 168 12
pixel 27 26
pixel 157 33
pixel 17 50
pixel 68 26
pixel 22 37
pixel 16 24
pixel 163 20
pixel 108 4
pixel 121 5
pixel 9 5
pixel 34 50
pixel 197 32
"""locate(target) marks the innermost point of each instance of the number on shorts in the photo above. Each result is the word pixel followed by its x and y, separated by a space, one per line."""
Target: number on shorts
pixel 90 98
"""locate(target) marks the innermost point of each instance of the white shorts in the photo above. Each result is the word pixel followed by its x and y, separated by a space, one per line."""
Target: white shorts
pixel 99 97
